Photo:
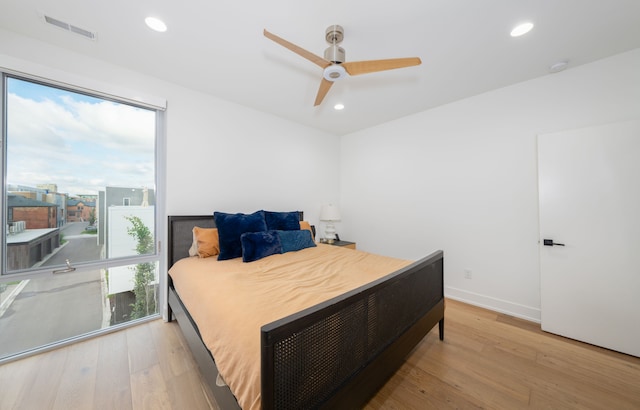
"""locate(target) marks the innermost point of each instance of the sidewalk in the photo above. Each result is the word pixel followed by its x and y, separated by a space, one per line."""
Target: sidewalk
pixel 8 293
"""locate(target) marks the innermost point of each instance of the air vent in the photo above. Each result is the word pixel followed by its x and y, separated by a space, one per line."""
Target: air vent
pixel 91 35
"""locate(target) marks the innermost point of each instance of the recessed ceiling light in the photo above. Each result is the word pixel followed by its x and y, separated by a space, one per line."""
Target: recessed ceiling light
pixel 338 107
pixel 156 24
pixel 521 29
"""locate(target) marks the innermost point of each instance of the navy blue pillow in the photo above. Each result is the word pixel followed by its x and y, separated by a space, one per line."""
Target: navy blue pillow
pixel 295 240
pixel 282 221
pixel 231 227
pixel 257 245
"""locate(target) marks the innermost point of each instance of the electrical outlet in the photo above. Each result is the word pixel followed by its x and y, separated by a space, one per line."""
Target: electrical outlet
pixel 467 274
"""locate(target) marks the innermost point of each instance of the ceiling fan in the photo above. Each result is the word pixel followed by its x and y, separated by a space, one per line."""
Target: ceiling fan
pixel 333 64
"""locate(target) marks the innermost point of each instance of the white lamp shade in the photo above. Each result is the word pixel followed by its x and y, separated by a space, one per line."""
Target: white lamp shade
pixel 329 212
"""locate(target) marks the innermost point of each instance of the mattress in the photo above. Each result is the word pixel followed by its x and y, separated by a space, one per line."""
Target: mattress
pixel 230 300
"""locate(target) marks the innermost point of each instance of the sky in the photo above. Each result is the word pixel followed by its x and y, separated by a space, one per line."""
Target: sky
pixel 80 143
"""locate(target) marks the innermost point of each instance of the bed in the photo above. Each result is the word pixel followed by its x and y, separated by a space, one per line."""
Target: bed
pixel 334 354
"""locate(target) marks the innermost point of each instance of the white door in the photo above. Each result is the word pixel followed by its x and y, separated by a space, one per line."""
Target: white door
pixel 589 190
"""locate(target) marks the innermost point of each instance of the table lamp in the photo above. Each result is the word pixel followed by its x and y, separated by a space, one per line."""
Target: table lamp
pixel 329 214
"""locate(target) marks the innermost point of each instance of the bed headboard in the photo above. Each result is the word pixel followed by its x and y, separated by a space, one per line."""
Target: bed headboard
pixel 180 233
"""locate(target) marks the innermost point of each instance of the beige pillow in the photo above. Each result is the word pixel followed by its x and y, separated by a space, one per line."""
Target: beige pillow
pixel 205 242
pixel 307 225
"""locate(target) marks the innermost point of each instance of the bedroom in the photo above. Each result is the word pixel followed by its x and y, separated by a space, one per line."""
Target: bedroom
pixel 484 204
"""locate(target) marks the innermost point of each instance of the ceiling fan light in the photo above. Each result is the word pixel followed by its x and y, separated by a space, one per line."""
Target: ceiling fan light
pixel 334 72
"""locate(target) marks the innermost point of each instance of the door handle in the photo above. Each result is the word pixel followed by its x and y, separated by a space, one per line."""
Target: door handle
pixel 550 242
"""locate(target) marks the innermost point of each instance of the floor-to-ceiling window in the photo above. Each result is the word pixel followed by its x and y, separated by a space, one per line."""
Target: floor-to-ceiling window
pixel 79 211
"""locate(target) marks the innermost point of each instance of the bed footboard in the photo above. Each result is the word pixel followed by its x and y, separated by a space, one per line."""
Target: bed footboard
pixel 339 353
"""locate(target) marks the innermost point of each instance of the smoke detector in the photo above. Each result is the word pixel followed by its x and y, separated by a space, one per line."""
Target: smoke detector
pixel 559 66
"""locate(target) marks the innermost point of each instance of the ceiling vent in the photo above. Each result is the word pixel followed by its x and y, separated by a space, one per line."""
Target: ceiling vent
pixel 91 35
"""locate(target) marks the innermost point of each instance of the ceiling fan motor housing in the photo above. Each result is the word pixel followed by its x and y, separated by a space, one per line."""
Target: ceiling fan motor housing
pixel 334 35
pixel 335 54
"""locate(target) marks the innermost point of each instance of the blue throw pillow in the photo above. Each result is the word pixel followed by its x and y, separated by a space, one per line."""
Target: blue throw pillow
pixel 232 226
pixel 257 245
pixel 296 240
pixel 282 221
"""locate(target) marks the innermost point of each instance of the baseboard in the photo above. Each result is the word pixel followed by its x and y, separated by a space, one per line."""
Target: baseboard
pixel 508 308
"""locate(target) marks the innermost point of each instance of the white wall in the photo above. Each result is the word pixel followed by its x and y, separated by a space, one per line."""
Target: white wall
pixel 463 178
pixel 223 157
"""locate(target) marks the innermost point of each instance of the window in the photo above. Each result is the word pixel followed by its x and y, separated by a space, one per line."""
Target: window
pixel 79 249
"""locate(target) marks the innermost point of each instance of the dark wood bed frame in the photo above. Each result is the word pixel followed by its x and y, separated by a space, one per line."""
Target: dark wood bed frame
pixel 336 354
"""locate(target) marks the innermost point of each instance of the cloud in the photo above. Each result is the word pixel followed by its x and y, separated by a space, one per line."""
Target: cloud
pixel 116 125
pixel 80 144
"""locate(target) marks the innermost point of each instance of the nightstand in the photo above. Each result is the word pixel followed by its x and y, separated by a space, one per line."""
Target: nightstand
pixel 344 244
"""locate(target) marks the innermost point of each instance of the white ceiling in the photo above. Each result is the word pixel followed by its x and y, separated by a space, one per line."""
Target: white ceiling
pixel 217 46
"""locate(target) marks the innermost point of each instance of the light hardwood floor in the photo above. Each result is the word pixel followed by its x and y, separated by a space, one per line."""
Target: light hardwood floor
pixel 488 360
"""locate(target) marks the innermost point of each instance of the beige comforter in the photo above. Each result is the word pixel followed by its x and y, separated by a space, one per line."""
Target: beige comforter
pixel 230 300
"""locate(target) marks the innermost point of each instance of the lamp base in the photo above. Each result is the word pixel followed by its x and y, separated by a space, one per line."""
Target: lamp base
pixel 330 232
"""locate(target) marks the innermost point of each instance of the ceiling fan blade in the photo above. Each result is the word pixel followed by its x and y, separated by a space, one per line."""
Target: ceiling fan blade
pixel 371 66
pixel 298 50
pixel 325 85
